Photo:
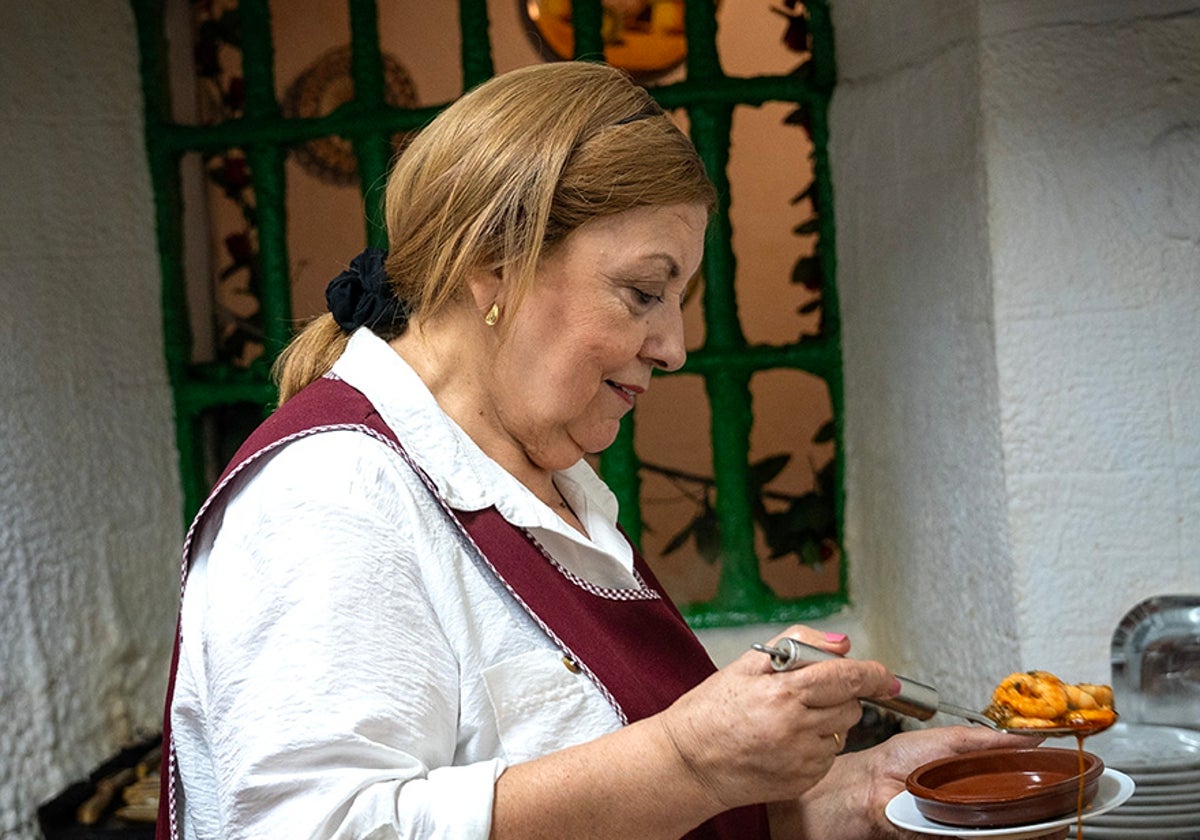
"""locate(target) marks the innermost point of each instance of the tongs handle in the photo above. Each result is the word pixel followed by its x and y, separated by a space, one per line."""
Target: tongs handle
pixel 915 700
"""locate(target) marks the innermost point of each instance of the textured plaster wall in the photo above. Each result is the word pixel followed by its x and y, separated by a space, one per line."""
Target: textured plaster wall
pixel 930 562
pixel 1092 142
pixel 89 501
pixel 1016 188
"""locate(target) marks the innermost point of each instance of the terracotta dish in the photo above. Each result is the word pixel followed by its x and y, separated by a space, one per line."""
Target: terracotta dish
pixel 999 788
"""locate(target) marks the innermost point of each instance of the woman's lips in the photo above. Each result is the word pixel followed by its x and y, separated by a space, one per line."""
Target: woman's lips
pixel 628 393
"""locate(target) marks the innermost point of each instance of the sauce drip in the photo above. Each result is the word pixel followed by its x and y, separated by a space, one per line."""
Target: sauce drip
pixel 1079 802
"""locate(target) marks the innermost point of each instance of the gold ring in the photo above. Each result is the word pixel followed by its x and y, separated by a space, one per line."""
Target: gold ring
pixel 837 739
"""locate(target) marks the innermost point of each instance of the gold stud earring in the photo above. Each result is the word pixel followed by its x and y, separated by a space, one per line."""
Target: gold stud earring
pixel 492 316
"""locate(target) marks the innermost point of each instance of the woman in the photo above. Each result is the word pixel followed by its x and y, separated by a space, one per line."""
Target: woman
pixel 410 612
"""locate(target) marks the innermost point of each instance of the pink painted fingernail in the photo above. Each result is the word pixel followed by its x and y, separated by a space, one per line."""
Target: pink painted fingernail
pixel 896 686
pixel 835 637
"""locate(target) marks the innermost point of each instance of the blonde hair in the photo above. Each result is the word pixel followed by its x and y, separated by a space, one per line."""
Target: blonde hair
pixel 506 173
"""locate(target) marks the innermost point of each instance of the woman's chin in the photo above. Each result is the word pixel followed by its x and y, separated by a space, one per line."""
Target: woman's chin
pixel 601 438
pixel 578 443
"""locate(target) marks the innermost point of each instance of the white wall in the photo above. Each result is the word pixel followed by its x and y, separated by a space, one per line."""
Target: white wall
pixel 89 500
pixel 1019 263
pixel 1092 140
pixel 929 554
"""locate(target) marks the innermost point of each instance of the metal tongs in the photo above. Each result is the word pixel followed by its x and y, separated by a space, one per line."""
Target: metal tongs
pixel 915 700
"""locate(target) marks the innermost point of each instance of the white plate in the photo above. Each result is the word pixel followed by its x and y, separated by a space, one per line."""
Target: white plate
pixel 1147 795
pixel 1136 806
pixel 1114 789
pixel 1119 820
pixel 1148 750
pixel 1094 832
pixel 1164 781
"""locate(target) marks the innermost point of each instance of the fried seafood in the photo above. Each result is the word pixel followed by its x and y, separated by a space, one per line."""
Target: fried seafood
pixel 1036 694
pixel 1040 700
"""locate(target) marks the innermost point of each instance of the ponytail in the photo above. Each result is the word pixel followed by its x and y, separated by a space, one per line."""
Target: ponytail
pixel 309 356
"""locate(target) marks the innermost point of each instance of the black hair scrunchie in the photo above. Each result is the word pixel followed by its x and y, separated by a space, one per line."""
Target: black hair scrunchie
pixel 362 297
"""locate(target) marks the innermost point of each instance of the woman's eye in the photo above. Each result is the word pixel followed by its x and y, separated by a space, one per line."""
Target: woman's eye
pixel 645 298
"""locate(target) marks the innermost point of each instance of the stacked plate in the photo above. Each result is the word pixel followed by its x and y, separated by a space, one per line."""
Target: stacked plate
pixel 1164 763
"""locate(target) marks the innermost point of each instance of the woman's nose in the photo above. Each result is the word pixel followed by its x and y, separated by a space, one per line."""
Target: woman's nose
pixel 664 347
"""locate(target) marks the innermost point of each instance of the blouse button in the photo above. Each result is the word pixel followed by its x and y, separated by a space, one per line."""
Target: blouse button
pixel 572 665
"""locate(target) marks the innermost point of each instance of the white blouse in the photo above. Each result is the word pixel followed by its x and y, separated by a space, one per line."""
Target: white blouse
pixel 347 668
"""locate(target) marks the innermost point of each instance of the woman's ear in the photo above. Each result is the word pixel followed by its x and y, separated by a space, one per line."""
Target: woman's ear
pixel 486 286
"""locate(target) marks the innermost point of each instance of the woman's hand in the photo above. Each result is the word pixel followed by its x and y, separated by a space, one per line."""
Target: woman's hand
pixel 849 801
pixel 747 734
pixel 751 734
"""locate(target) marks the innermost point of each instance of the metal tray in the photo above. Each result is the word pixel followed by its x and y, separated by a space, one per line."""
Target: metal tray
pixel 1156 662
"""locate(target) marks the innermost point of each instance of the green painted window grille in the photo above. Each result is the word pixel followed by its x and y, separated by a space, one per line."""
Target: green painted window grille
pixel 726 361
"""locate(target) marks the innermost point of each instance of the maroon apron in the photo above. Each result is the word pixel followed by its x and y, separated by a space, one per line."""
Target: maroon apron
pixel 632 643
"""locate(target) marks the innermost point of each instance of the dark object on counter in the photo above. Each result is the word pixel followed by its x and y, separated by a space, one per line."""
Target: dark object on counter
pixel 97 799
pixel 875 727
